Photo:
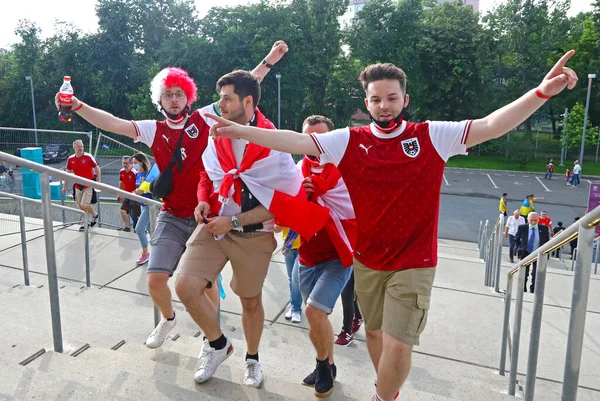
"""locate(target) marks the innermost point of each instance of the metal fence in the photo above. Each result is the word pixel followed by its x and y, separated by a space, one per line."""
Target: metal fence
pixel 583 229
pixel 46 210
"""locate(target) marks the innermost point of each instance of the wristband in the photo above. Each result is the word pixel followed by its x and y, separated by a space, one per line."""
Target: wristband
pixel 78 107
pixel 539 94
pixel 264 62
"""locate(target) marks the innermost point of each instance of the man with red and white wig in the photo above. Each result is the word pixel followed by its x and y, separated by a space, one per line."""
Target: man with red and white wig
pixel 393 170
pixel 173 92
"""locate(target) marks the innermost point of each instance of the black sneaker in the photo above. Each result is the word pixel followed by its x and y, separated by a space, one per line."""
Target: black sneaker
pixel 324 380
pixel 82 228
pixel 312 377
pixel 94 221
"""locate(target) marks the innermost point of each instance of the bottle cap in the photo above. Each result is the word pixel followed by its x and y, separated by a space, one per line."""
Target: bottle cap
pixel 67 78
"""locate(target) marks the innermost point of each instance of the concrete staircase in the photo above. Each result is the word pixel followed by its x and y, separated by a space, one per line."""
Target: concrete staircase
pixel 102 318
pixel 455 361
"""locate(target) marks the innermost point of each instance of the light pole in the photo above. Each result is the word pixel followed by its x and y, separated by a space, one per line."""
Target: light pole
pixel 278 76
pixel 562 138
pixel 30 79
pixel 587 107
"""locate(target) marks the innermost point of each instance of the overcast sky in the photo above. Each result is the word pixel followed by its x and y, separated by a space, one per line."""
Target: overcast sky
pixel 81 13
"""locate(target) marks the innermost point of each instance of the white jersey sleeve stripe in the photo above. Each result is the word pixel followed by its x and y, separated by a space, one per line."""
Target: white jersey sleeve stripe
pixel 449 138
pixel 145 130
pixel 332 145
pixel 319 148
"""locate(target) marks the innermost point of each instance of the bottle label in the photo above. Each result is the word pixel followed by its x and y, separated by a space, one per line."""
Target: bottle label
pixel 65 98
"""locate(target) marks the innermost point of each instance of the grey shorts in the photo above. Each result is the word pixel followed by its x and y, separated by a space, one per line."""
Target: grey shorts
pixel 168 242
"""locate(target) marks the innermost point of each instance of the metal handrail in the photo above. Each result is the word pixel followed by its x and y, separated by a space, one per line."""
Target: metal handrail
pixel 584 230
pixel 22 199
pixel 492 254
pixel 47 130
pixel 5 157
pixel 45 172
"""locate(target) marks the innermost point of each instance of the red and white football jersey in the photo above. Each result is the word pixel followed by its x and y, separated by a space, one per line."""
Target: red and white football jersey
pixel 128 179
pixel 162 139
pixel 394 181
pixel 82 166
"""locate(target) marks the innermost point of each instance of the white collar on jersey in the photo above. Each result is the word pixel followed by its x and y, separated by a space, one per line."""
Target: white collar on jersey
pixel 379 134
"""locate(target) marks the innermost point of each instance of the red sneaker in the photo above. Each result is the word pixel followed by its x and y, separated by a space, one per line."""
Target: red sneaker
pixel 356 323
pixel 344 338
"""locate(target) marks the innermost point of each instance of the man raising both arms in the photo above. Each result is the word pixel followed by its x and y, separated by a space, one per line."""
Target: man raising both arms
pixel 394 269
pixel 173 92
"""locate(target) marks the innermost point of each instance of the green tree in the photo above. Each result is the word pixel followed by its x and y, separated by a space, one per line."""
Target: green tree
pixel 574 128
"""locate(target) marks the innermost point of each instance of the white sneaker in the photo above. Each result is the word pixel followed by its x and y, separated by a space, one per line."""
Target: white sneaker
pixel 288 315
pixel 160 333
pixel 296 317
pixel 253 375
pixel 210 359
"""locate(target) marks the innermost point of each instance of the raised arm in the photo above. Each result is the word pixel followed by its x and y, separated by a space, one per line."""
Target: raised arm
pixel 281 140
pixel 277 51
pixel 102 119
pixel 512 115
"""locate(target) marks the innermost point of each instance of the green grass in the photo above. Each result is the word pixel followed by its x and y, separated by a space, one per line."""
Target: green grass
pixel 501 163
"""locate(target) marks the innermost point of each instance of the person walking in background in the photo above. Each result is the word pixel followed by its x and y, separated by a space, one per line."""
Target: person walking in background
pixel 576 173
pixel 526 207
pixel 83 164
pixel 529 238
pixel 352 317
pixel 127 182
pixel 573 243
pixel 510 230
pixel 545 220
pixel 291 243
pixel 503 206
pixel 142 166
pixel 549 170
pixel 559 227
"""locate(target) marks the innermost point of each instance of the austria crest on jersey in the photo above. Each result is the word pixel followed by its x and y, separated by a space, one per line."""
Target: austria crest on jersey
pixel 192 131
pixel 411 147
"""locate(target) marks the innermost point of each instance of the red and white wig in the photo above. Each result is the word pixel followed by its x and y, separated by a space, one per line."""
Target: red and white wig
pixel 167 78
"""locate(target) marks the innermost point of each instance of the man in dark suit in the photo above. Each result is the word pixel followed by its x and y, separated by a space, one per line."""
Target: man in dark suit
pixel 530 237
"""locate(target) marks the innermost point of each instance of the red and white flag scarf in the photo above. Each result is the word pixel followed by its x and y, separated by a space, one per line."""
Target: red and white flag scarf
pixel 271 177
pixel 332 193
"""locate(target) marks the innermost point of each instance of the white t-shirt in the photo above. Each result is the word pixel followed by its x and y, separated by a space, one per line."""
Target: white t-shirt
pixel 577 169
pixel 513 224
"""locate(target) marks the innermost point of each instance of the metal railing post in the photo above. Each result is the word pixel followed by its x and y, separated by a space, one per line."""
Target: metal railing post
pixel 98 204
pixel 51 262
pixel 86 234
pixel 516 335
pixel 536 325
pixel 479 235
pixel 574 258
pixel 62 202
pixel 483 241
pixel 153 218
pixel 505 324
pixel 581 287
pixel 24 242
pixel 499 250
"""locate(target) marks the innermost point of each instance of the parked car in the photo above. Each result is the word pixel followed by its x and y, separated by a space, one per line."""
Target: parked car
pixel 55 153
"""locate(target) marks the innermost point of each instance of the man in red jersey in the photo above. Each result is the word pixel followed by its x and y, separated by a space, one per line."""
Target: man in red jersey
pixel 127 183
pixel 173 92
pixel 83 164
pixel 393 170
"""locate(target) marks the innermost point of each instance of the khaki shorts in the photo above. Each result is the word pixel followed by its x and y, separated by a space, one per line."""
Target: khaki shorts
pixel 83 197
pixel 249 253
pixel 396 302
pixel 131 207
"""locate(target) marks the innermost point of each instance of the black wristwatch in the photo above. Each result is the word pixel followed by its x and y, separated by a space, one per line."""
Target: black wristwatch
pixel 264 62
pixel 235 222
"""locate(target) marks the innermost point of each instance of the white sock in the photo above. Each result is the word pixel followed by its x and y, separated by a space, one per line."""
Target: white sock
pixel 377 397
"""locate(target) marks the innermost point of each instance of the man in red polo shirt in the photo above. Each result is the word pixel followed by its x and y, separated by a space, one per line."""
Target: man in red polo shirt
pixel 127 183
pixel 83 164
pixel 394 170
